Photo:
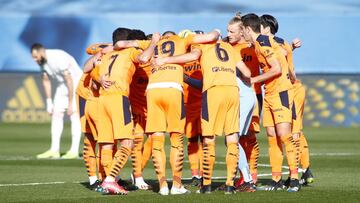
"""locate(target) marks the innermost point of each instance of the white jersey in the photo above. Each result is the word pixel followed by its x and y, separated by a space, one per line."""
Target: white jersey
pixel 244 88
pixel 247 104
pixel 59 61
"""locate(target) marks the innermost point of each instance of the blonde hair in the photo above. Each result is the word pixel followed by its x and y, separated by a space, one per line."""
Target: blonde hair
pixel 235 19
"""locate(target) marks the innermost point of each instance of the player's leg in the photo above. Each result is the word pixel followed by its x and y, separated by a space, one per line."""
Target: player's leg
pixel 231 130
pixel 283 119
pixel 193 134
pixel 156 126
pixel 139 120
pixel 57 123
pixel 118 109
pixel 247 101
pixel 208 107
pixel 175 118
pixel 146 152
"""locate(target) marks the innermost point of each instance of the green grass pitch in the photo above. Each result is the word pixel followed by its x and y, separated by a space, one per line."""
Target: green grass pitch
pixel 335 162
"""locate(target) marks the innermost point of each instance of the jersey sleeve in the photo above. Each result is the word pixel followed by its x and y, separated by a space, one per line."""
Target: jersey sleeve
pixel 95 48
pixel 189 40
pixel 196 46
pixel 143 44
pixel 95 74
pixel 135 52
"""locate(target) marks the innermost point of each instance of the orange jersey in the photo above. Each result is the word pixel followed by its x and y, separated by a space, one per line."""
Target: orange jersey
pixel 95 48
pixel 218 64
pixel 267 50
pixel 248 54
pixel 191 94
pixel 170 46
pixel 85 87
pixel 289 57
pixel 119 67
pixel 138 85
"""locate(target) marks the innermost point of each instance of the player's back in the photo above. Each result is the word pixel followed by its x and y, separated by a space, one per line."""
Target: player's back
pixel 119 67
pixel 267 50
pixel 170 46
pixel 218 64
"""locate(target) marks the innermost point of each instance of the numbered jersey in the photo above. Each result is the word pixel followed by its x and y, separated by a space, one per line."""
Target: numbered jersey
pixel 218 64
pixel 267 50
pixel 169 46
pixel 248 54
pixel 119 67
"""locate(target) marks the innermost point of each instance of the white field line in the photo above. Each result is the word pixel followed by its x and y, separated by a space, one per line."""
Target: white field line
pixel 169 179
pixel 26 158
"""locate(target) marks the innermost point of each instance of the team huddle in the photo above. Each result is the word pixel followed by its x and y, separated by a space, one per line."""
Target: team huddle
pixel 141 89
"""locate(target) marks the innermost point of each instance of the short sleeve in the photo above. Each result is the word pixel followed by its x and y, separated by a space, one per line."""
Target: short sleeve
pixel 143 44
pixel 135 52
pixel 95 74
pixel 189 40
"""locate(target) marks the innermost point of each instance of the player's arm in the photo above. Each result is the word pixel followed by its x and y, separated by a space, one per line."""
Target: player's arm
pixel 275 70
pixel 208 37
pixel 70 86
pixel 245 71
pixel 146 55
pixel 122 44
pixel 47 88
pixel 184 58
pixel 95 48
pixel 195 83
pixel 92 62
pixel 296 43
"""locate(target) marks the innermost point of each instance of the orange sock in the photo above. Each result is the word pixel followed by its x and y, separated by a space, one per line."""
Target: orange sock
pixel 136 156
pixel 276 157
pixel 89 155
pixel 106 160
pixel 146 152
pixel 101 171
pixel 252 152
pixel 208 162
pixel 120 159
pixel 193 154
pixel 304 152
pixel 290 148
pixel 232 155
pixel 159 158
pixel 200 154
pixel 177 157
pixel 297 147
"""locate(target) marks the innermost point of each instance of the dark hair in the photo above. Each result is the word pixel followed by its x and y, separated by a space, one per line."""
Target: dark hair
pixel 199 32
pixel 251 20
pixel 136 35
pixel 169 32
pixel 269 21
pixel 149 36
pixel 120 34
pixel 36 46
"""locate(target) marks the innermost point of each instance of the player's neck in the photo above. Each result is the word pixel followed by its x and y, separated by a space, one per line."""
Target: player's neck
pixel 253 37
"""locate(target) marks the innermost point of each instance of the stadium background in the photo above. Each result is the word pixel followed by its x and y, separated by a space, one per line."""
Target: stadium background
pixel 327 62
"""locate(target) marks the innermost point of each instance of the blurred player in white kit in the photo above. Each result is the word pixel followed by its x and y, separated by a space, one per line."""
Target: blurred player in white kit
pixel 61 69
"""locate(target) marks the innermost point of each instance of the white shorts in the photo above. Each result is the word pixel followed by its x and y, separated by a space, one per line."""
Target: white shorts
pixel 247 104
pixel 61 99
